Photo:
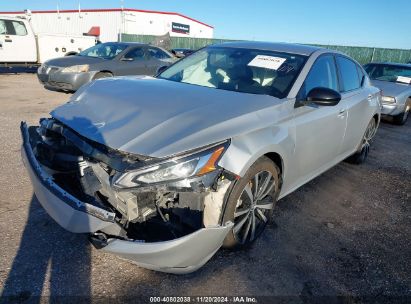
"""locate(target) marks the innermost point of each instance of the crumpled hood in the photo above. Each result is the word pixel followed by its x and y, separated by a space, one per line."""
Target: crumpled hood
pixel 159 118
pixel 391 88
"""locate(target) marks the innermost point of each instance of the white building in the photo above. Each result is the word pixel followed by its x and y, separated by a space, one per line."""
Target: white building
pixel 112 22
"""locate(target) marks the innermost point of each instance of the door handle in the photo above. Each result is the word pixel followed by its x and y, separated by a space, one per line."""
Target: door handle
pixel 8 40
pixel 370 97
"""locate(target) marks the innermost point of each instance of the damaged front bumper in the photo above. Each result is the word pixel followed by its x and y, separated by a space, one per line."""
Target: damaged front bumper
pixel 182 254
pixel 70 213
pixel 179 256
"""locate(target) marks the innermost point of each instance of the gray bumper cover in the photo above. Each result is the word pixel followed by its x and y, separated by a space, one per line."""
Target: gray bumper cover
pixel 182 255
pixel 65 81
pixel 392 109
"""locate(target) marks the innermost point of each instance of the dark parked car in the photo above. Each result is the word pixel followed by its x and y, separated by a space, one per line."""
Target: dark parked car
pixel 180 53
pixel 100 61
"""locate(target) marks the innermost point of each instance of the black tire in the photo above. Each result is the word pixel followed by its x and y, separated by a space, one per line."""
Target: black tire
pixel 254 221
pixel 401 119
pixel 100 75
pixel 360 156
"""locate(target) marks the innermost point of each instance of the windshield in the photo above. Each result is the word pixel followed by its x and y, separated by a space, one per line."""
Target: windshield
pixel 104 50
pixel 387 72
pixel 236 69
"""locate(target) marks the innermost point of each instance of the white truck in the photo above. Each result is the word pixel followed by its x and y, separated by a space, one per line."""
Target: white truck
pixel 19 45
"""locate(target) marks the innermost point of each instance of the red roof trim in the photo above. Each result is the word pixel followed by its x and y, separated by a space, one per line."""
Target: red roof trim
pixel 110 10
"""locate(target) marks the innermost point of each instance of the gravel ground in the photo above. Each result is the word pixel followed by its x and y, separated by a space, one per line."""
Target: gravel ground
pixel 346 233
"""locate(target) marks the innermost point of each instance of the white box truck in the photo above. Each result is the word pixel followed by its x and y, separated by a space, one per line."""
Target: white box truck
pixel 19 45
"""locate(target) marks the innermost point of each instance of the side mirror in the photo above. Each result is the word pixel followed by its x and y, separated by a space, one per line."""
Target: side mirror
pixel 127 59
pixel 161 69
pixel 324 96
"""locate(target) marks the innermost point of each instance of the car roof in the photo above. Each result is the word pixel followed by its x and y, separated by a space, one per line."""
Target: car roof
pixel 299 49
pixel 127 43
pixel 403 65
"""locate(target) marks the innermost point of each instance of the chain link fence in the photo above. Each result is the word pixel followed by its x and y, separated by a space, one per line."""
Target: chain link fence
pixel 361 54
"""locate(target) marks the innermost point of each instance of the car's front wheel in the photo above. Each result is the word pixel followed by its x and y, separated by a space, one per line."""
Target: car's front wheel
pixel 251 202
pixel 401 119
pixel 360 156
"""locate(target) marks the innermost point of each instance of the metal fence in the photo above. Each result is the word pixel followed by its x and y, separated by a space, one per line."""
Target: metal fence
pixel 361 54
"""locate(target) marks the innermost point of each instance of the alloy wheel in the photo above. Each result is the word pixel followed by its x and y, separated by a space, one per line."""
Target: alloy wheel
pixel 369 134
pixel 253 207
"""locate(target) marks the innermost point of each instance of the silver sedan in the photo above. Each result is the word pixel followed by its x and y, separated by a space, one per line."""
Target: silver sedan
pixel 164 171
pixel 394 80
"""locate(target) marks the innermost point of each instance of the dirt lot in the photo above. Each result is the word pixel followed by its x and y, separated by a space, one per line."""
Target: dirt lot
pixel 345 233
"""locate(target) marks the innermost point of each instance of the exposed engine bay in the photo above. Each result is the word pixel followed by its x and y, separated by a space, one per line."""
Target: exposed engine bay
pixel 147 212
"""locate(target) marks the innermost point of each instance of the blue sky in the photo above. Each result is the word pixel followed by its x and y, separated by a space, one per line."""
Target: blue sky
pixel 380 23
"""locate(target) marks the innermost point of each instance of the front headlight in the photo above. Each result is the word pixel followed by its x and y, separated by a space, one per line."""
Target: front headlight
pixel 387 99
pixel 185 166
pixel 76 69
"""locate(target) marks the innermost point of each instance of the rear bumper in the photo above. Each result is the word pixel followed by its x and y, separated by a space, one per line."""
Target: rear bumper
pixel 182 255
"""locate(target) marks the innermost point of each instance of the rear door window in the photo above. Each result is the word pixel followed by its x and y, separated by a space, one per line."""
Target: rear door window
pixel 349 74
pixel 135 54
pixel 157 53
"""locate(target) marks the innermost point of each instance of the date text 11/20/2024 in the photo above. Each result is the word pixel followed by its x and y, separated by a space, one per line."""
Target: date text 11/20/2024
pixel 204 299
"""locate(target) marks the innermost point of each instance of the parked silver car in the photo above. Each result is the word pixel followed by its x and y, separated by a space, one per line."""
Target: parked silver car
pixel 163 171
pixel 394 80
pixel 100 61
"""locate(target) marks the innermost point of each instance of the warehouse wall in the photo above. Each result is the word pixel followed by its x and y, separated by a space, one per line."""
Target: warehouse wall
pixel 361 54
pixel 160 24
